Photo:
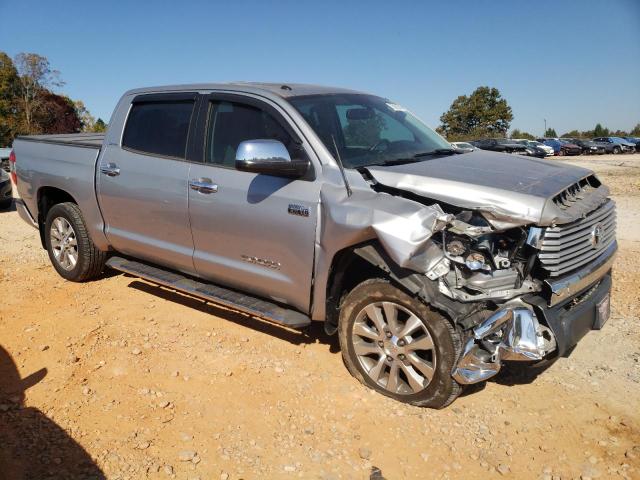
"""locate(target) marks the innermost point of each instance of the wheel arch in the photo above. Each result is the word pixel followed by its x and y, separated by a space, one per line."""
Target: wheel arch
pixel 357 263
pixel 47 197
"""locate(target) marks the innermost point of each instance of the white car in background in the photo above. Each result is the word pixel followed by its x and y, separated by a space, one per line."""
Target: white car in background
pixel 533 143
pixel 464 146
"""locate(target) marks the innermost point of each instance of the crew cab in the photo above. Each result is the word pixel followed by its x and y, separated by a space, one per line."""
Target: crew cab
pixel 300 203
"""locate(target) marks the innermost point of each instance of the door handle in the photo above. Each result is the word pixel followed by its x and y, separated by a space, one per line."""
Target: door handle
pixel 110 169
pixel 203 185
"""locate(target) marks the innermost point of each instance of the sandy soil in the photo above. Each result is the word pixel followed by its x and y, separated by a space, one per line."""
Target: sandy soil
pixel 142 382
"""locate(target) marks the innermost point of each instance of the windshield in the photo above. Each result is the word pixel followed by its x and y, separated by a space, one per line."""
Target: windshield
pixel 366 129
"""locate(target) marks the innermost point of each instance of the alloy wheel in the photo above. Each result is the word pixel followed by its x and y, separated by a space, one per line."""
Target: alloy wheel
pixel 394 348
pixel 64 243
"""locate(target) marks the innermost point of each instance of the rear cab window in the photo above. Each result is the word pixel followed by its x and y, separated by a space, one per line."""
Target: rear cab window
pixel 159 125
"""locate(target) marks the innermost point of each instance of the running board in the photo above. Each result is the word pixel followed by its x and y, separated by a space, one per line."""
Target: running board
pixel 207 291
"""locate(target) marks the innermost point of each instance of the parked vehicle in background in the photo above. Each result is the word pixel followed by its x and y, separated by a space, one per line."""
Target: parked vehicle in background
pixel 432 266
pixel 561 147
pixel 569 148
pixel 4 159
pixel 620 145
pixel 466 146
pixel 588 147
pixel 634 140
pixel 534 143
pixel 5 190
pixel 504 145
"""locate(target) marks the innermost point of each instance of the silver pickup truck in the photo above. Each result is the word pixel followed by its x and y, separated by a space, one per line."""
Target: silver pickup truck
pixel 299 203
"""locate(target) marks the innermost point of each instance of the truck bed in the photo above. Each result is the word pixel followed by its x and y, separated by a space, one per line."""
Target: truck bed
pixel 91 140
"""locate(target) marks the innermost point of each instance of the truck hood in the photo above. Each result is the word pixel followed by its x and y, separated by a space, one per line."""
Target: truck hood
pixel 510 190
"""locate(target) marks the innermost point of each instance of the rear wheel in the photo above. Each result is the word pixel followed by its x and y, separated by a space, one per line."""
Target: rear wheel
pixel 398 346
pixel 71 251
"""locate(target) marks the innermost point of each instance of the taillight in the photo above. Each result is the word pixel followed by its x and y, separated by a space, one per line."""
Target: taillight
pixel 12 168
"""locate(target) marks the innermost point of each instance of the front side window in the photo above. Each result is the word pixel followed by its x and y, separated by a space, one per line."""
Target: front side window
pixel 365 129
pixel 159 128
pixel 230 123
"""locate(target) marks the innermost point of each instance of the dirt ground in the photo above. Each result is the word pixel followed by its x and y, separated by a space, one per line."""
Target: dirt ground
pixel 143 382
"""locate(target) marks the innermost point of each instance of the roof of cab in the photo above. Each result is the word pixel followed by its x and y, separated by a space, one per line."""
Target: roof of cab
pixel 284 90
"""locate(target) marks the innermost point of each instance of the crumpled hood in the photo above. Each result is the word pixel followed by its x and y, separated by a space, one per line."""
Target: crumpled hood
pixel 512 190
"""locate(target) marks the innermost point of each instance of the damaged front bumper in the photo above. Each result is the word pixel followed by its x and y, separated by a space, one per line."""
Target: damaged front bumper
pixel 511 333
pixel 529 329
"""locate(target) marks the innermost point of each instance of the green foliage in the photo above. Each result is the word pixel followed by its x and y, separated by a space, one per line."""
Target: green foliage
pixel 484 113
pixel 100 126
pixel 572 134
pixel 10 114
pixel 635 132
pixel 28 104
pixel 518 134
pixel 550 132
pixel 600 131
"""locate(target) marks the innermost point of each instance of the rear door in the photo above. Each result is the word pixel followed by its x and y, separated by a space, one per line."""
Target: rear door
pixel 142 183
pixel 253 232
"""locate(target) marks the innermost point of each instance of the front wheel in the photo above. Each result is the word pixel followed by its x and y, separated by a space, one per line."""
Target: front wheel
pixel 398 346
pixel 71 250
pixel 616 150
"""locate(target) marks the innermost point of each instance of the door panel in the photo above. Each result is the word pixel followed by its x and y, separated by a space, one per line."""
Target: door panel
pixel 145 207
pixel 245 237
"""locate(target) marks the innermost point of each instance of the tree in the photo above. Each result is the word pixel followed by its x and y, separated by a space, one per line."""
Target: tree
pixel 635 132
pixel 100 126
pixel 36 77
pixel 600 131
pixel 483 113
pixel 56 114
pixel 518 134
pixel 550 133
pixel 9 107
pixel 572 134
pixel 87 120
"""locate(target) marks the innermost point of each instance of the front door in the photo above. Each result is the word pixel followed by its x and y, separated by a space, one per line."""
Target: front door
pixel 253 232
pixel 142 184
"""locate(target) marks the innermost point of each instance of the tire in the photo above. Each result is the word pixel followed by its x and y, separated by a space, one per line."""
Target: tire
pixel 378 355
pixel 561 153
pixel 89 261
pixel 616 150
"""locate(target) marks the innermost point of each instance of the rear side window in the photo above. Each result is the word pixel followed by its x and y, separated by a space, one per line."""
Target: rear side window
pixel 159 128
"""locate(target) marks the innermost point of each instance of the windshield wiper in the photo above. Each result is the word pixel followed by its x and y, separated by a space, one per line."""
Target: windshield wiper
pixel 438 151
pixel 418 157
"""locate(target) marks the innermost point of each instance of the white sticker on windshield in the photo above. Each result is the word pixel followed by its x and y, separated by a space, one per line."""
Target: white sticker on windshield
pixel 396 108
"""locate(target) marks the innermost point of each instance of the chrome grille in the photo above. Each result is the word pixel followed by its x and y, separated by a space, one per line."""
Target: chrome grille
pixel 567 247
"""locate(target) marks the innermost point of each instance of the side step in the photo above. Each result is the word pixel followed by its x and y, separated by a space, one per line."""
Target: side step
pixel 229 298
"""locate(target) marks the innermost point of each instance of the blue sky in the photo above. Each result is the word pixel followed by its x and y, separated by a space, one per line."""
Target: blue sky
pixel 574 63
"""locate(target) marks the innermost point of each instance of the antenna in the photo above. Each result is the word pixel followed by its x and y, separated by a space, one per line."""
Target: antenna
pixel 341 167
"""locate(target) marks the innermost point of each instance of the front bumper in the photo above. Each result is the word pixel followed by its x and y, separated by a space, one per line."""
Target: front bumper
pixel 538 326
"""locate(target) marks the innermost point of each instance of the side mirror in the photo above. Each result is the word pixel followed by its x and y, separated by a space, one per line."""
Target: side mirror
pixel 269 157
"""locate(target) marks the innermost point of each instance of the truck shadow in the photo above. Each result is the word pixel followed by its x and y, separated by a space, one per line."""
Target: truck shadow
pixel 32 446
pixel 312 334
